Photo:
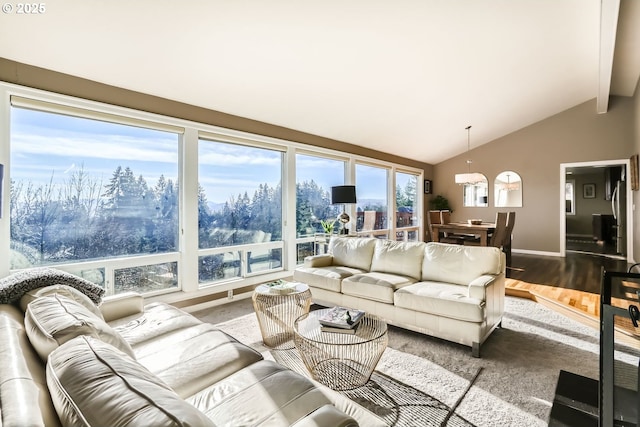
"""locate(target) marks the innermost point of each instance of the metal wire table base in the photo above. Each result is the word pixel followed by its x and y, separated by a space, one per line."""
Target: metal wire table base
pixel 277 312
pixel 338 360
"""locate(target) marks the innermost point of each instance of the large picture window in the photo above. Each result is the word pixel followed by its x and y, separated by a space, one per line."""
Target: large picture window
pixel 136 201
pixel 406 206
pixel 372 185
pixel 314 178
pixel 84 189
pixel 239 204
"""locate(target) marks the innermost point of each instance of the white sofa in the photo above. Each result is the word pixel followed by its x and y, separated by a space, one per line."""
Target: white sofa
pixel 64 361
pixel 447 291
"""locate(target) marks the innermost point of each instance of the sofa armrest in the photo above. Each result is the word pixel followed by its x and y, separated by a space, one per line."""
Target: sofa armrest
pixel 478 287
pixel 322 260
pixel 329 416
pixel 122 305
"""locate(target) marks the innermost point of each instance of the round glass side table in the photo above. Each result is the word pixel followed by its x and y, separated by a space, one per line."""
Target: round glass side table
pixel 341 361
pixel 276 311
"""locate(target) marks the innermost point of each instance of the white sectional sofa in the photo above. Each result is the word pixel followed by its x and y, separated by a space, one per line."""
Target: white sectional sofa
pixel 67 362
pixel 447 291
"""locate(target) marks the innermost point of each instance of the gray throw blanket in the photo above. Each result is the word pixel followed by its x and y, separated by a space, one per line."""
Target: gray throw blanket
pixel 14 286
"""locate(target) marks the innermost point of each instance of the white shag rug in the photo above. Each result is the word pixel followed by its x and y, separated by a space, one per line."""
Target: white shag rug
pixel 419 379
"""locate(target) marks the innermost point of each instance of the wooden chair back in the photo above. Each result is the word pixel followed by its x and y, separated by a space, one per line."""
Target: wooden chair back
pixel 497 239
pixel 511 221
pixel 506 244
pixel 434 217
pixel 445 217
pixel 369 222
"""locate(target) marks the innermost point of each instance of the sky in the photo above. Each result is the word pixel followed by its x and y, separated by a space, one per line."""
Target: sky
pixel 48 146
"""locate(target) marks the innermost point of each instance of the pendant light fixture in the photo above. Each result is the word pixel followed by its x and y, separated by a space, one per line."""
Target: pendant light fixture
pixel 469 177
pixel 509 186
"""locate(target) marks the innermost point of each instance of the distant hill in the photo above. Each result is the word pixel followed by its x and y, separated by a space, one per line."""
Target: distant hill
pixel 215 207
pixel 371 202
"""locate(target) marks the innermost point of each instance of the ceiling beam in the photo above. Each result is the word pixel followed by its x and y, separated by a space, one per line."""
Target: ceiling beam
pixel 609 10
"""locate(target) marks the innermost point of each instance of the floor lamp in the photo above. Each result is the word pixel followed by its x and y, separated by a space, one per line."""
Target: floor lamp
pixel 343 194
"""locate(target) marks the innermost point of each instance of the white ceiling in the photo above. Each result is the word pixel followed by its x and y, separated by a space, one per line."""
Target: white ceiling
pixel 404 76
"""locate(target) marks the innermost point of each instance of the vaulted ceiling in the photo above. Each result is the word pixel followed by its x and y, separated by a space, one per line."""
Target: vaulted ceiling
pixel 404 77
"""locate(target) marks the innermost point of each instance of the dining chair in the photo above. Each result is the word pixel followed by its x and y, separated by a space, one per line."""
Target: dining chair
pixel 432 218
pixel 458 239
pixel 445 217
pixel 442 217
pixel 498 236
pixel 506 244
pixel 496 239
pixel 435 217
pixel 501 238
pixel 369 223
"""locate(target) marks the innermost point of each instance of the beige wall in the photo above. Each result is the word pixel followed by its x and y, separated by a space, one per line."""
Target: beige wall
pixel 536 152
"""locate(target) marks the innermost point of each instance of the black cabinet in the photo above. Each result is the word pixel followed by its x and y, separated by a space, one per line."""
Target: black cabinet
pixel 613 399
pixel 603 228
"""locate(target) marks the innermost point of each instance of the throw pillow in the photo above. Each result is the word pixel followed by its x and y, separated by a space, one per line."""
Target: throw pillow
pixel 52 320
pixel 67 291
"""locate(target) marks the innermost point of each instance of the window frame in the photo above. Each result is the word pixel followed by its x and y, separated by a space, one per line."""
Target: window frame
pixel 72 107
pixel 244 249
pixel 188 252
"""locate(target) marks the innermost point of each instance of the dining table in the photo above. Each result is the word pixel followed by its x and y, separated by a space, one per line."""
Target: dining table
pixel 483 230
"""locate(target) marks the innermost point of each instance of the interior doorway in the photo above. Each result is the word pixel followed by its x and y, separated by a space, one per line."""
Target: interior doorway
pixel 594 209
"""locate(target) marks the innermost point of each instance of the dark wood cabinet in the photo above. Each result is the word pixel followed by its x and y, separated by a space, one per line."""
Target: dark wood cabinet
pixel 603 228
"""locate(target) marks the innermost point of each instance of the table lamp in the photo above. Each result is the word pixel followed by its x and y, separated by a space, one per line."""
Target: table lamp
pixel 343 194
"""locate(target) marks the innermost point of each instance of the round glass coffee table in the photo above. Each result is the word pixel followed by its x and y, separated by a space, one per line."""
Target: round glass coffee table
pixel 276 311
pixel 341 361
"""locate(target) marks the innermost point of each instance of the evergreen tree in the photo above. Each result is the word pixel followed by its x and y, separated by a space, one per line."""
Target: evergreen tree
pixel 165 222
pixel 312 205
pixel 80 209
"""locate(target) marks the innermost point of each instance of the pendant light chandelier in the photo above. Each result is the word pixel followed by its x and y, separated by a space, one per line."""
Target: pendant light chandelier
pixel 509 186
pixel 471 178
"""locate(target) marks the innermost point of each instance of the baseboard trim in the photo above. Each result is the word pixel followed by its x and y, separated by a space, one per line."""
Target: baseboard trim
pixel 529 252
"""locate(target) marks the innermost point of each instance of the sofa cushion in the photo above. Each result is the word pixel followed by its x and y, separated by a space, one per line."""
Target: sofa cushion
pixel 320 260
pixel 52 320
pixel 263 394
pixel 93 384
pixel 459 264
pixel 329 278
pixel 67 291
pixel 404 258
pixel 353 252
pixel 375 286
pixel 185 353
pixel 441 299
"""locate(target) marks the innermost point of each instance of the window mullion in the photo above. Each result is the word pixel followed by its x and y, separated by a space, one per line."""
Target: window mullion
pixel 188 165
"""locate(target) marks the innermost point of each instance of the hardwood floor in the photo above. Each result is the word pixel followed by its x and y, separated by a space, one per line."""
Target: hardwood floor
pixel 581 272
pixel 570 286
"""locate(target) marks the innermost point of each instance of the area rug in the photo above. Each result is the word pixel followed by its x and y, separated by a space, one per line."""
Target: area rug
pixel 425 381
pixel 395 402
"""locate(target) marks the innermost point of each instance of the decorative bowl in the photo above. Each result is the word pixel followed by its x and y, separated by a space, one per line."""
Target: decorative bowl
pixel 474 221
